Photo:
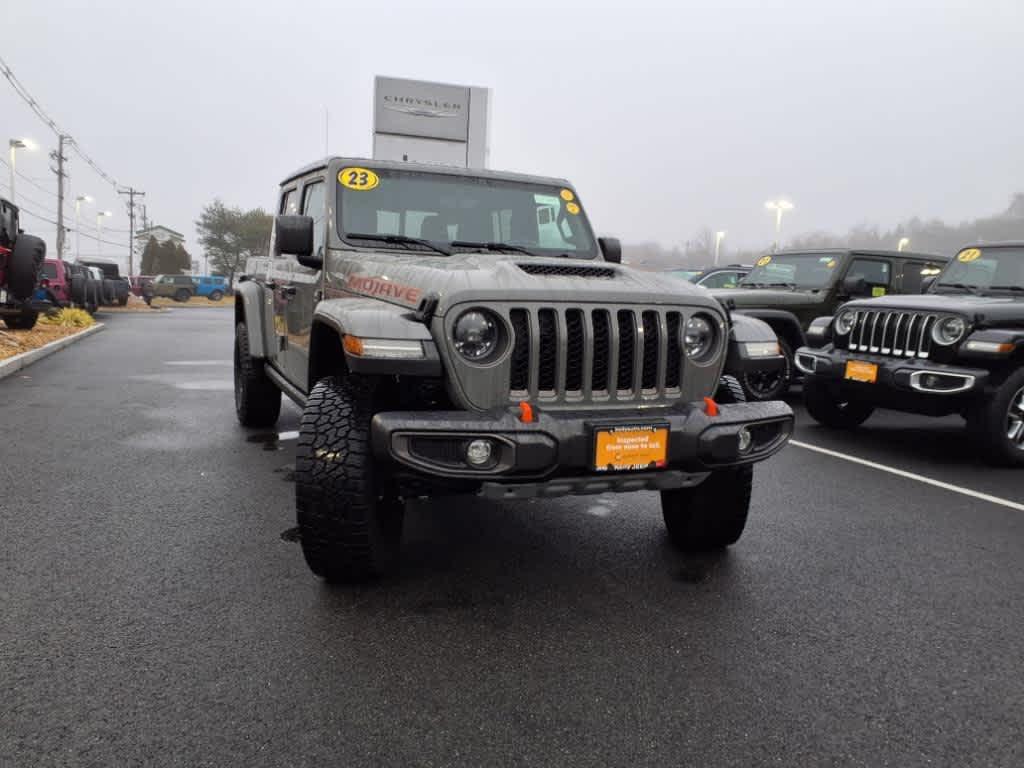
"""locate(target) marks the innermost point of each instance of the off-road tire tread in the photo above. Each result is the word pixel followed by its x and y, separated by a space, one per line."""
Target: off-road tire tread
pixel 986 423
pixel 711 515
pixel 25 263
pixel 260 402
pixel 730 391
pixel 26 321
pixel 347 533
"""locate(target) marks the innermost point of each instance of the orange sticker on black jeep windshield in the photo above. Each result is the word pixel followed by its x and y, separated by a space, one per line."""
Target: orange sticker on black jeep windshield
pixel 971 254
pixel 359 179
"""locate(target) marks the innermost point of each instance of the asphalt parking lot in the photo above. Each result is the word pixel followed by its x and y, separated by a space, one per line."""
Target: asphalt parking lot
pixel 155 610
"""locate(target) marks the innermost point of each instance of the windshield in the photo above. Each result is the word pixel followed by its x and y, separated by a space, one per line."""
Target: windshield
pixel 984 269
pixel 686 274
pixel 442 208
pixel 49 270
pixel 797 270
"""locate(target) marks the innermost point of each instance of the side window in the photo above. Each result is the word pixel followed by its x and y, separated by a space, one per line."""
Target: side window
pixel 915 272
pixel 313 205
pixel 877 275
pixel 290 202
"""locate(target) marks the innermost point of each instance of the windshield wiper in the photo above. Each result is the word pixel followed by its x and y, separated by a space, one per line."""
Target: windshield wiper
pixel 491 246
pixel 1006 288
pixel 400 240
pixel 962 286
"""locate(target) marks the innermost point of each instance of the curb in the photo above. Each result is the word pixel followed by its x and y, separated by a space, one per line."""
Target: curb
pixel 14 364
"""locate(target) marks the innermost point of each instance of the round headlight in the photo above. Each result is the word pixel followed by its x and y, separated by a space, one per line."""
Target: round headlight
pixel 948 330
pixel 844 322
pixel 476 335
pixel 698 337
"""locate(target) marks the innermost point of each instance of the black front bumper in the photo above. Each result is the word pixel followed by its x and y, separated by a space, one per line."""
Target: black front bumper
pixel 902 383
pixel 555 453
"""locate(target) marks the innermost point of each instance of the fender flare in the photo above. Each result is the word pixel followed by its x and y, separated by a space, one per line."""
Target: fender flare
pixel 784 323
pixel 254 309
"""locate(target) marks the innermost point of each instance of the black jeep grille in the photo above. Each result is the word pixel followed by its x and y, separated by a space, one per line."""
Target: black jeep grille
pixel 900 334
pixel 567 270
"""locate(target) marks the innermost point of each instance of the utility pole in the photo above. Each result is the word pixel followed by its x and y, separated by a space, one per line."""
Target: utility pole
pixel 132 194
pixel 59 158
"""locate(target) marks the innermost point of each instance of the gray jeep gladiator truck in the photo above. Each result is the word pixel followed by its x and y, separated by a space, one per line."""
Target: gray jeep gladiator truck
pixel 451 331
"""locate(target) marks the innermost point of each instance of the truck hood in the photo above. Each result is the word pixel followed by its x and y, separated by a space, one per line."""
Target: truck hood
pixel 983 311
pixel 405 279
pixel 766 298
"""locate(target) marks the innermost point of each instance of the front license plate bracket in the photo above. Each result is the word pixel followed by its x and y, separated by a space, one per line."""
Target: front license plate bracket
pixel 630 447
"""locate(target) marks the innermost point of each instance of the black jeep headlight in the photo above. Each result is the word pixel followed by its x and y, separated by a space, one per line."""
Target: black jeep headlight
pixel 844 322
pixel 948 330
pixel 699 338
pixel 476 334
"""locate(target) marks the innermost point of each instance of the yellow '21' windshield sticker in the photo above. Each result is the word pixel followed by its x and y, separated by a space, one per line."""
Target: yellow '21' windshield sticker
pixel 572 208
pixel 359 179
pixel 971 254
pixel 764 261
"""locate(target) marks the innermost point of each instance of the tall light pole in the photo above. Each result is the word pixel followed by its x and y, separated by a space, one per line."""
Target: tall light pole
pixel 78 224
pixel 15 145
pixel 780 207
pixel 99 231
pixel 719 236
pixel 904 242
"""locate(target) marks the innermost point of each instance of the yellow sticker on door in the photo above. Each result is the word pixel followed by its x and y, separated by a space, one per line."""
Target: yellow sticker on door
pixel 878 290
pixel 359 179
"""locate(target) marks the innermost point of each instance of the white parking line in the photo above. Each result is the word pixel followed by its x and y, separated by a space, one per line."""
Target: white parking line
pixel 912 476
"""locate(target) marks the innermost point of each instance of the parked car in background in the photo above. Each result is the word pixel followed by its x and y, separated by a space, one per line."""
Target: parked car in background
pixel 713 277
pixel 55 283
pixel 959 348
pixel 21 261
pixel 177 287
pixel 789 289
pixel 213 287
pixel 138 284
pixel 115 287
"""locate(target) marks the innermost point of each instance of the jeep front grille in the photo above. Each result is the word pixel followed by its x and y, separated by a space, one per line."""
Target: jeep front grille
pixel 900 334
pixel 583 353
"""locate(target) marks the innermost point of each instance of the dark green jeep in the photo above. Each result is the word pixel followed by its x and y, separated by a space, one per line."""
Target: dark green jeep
pixel 788 290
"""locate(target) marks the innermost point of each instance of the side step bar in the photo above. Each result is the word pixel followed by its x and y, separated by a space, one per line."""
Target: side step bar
pixel 293 393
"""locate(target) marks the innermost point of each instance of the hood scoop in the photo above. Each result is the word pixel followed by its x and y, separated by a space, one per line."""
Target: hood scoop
pixel 567 270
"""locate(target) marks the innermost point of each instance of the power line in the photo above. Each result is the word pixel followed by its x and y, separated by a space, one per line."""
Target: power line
pixel 37 108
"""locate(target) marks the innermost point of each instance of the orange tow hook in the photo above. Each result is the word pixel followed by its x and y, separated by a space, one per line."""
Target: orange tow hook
pixel 525 412
pixel 710 407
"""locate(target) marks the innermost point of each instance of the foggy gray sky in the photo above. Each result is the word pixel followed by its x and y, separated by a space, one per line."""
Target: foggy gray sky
pixel 667 117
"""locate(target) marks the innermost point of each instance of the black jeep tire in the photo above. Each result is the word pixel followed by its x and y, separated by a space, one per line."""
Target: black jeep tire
pixel 216 296
pixel 729 391
pixel 26 321
pixel 348 530
pixel 759 387
pixel 257 399
pixel 997 423
pixel 826 409
pixel 711 515
pixel 25 263
pixel 182 295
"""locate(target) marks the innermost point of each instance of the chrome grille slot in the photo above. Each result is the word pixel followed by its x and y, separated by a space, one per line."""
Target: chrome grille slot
pixel 900 334
pixel 593 353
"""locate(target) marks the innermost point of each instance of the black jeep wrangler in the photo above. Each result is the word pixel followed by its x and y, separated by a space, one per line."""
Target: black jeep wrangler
pixel 21 262
pixel 959 348
pixel 462 331
pixel 788 290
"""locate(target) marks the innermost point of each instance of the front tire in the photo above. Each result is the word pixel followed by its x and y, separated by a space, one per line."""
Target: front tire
pixel 26 261
pixel 216 296
pixel 26 321
pixel 711 515
pixel 774 385
pixel 257 399
pixel 182 296
pixel 349 530
pixel 997 424
pixel 826 409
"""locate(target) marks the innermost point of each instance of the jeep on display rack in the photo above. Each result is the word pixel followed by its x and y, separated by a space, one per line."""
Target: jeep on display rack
pixel 789 289
pixel 448 330
pixel 21 262
pixel 958 349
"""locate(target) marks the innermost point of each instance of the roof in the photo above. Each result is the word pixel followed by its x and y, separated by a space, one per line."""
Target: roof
pixel 868 252
pixel 447 170
pixel 1001 244
pixel 146 231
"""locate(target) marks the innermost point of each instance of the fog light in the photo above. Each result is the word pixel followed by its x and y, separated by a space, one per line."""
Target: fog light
pixel 745 439
pixel 478 452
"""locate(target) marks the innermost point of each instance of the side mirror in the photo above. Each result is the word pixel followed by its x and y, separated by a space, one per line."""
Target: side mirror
pixel 293 235
pixel 855 286
pixel 611 249
pixel 927 283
